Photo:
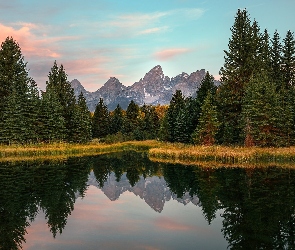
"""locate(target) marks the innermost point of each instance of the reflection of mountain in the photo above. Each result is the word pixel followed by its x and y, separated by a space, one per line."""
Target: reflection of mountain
pixel 153 190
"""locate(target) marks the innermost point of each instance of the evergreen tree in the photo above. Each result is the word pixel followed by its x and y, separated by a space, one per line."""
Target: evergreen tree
pixel 13 72
pixel 84 120
pixel 288 60
pixel 31 111
pixel 117 119
pixel 267 118
pixel 208 123
pixel 15 98
pixel 100 120
pixel 14 122
pixel 242 61
pixel 150 124
pixel 207 85
pixel 57 80
pixel 52 123
pixel 132 122
pixel 276 60
pixel 177 105
pixel 265 53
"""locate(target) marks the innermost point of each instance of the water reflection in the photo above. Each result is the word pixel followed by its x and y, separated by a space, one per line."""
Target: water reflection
pixel 257 204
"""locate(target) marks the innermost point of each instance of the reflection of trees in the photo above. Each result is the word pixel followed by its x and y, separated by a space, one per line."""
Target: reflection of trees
pixel 258 204
pixel 25 186
pixel 132 163
pixel 258 214
pixel 16 205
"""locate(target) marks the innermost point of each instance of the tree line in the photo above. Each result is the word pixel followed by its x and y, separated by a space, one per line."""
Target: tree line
pixel 253 106
pixel 27 116
pixel 255 102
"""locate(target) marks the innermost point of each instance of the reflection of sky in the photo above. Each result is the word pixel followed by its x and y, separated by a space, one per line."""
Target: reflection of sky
pixel 128 223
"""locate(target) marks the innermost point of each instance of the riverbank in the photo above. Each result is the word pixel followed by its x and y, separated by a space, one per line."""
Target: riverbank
pixel 189 154
pixel 65 150
pixel 158 151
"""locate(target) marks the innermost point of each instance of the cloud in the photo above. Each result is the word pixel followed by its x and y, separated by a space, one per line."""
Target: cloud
pixel 154 30
pixel 31 45
pixel 129 25
pixel 136 20
pixel 193 13
pixel 168 54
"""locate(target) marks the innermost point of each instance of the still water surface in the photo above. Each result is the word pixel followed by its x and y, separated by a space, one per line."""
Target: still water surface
pixel 125 201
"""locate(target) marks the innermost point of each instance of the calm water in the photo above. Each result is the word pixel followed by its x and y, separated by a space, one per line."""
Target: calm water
pixel 125 201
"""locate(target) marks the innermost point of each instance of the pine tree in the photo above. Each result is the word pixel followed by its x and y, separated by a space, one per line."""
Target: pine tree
pixel 150 124
pixel 13 72
pixel 265 53
pixel 207 84
pixel 31 111
pixel 266 116
pixel 242 61
pixel 208 123
pixel 132 121
pixel 84 120
pixel 288 60
pixel 177 105
pixel 15 99
pixel 57 80
pixel 276 60
pixel 52 123
pixel 14 122
pixel 117 119
pixel 100 120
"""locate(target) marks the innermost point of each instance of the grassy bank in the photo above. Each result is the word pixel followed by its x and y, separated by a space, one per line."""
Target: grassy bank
pixel 64 150
pixel 221 155
pixel 163 152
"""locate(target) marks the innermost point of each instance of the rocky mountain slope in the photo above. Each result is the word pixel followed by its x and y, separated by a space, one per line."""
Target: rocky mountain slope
pixel 154 88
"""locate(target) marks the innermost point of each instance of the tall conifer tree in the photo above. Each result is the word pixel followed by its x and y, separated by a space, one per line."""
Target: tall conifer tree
pixel 267 118
pixel 288 60
pixel 15 89
pixel 52 123
pixel 100 120
pixel 241 63
pixel 207 127
pixel 84 120
pixel 58 82
pixel 117 120
pixel 177 105
pixel 276 60
pixel 132 121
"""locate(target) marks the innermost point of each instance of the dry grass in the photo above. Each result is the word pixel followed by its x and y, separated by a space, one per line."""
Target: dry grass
pixel 64 150
pixel 214 156
pixel 224 155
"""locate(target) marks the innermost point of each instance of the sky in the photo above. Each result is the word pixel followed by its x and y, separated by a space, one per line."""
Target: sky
pixel 99 39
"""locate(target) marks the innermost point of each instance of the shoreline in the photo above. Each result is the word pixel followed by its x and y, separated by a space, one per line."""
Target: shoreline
pixel 157 151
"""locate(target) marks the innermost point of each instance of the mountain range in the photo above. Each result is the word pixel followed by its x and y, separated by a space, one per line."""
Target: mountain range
pixel 154 88
pixel 153 190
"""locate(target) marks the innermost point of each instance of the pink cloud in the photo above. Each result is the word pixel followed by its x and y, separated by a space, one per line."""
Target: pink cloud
pixel 168 54
pixel 30 44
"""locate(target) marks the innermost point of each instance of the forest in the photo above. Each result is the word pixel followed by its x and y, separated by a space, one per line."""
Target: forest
pixel 253 106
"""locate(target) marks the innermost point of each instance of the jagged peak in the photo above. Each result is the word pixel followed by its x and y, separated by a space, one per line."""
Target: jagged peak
pixel 155 71
pixel 76 84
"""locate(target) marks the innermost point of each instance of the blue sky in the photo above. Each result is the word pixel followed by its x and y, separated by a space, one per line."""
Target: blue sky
pixel 97 39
